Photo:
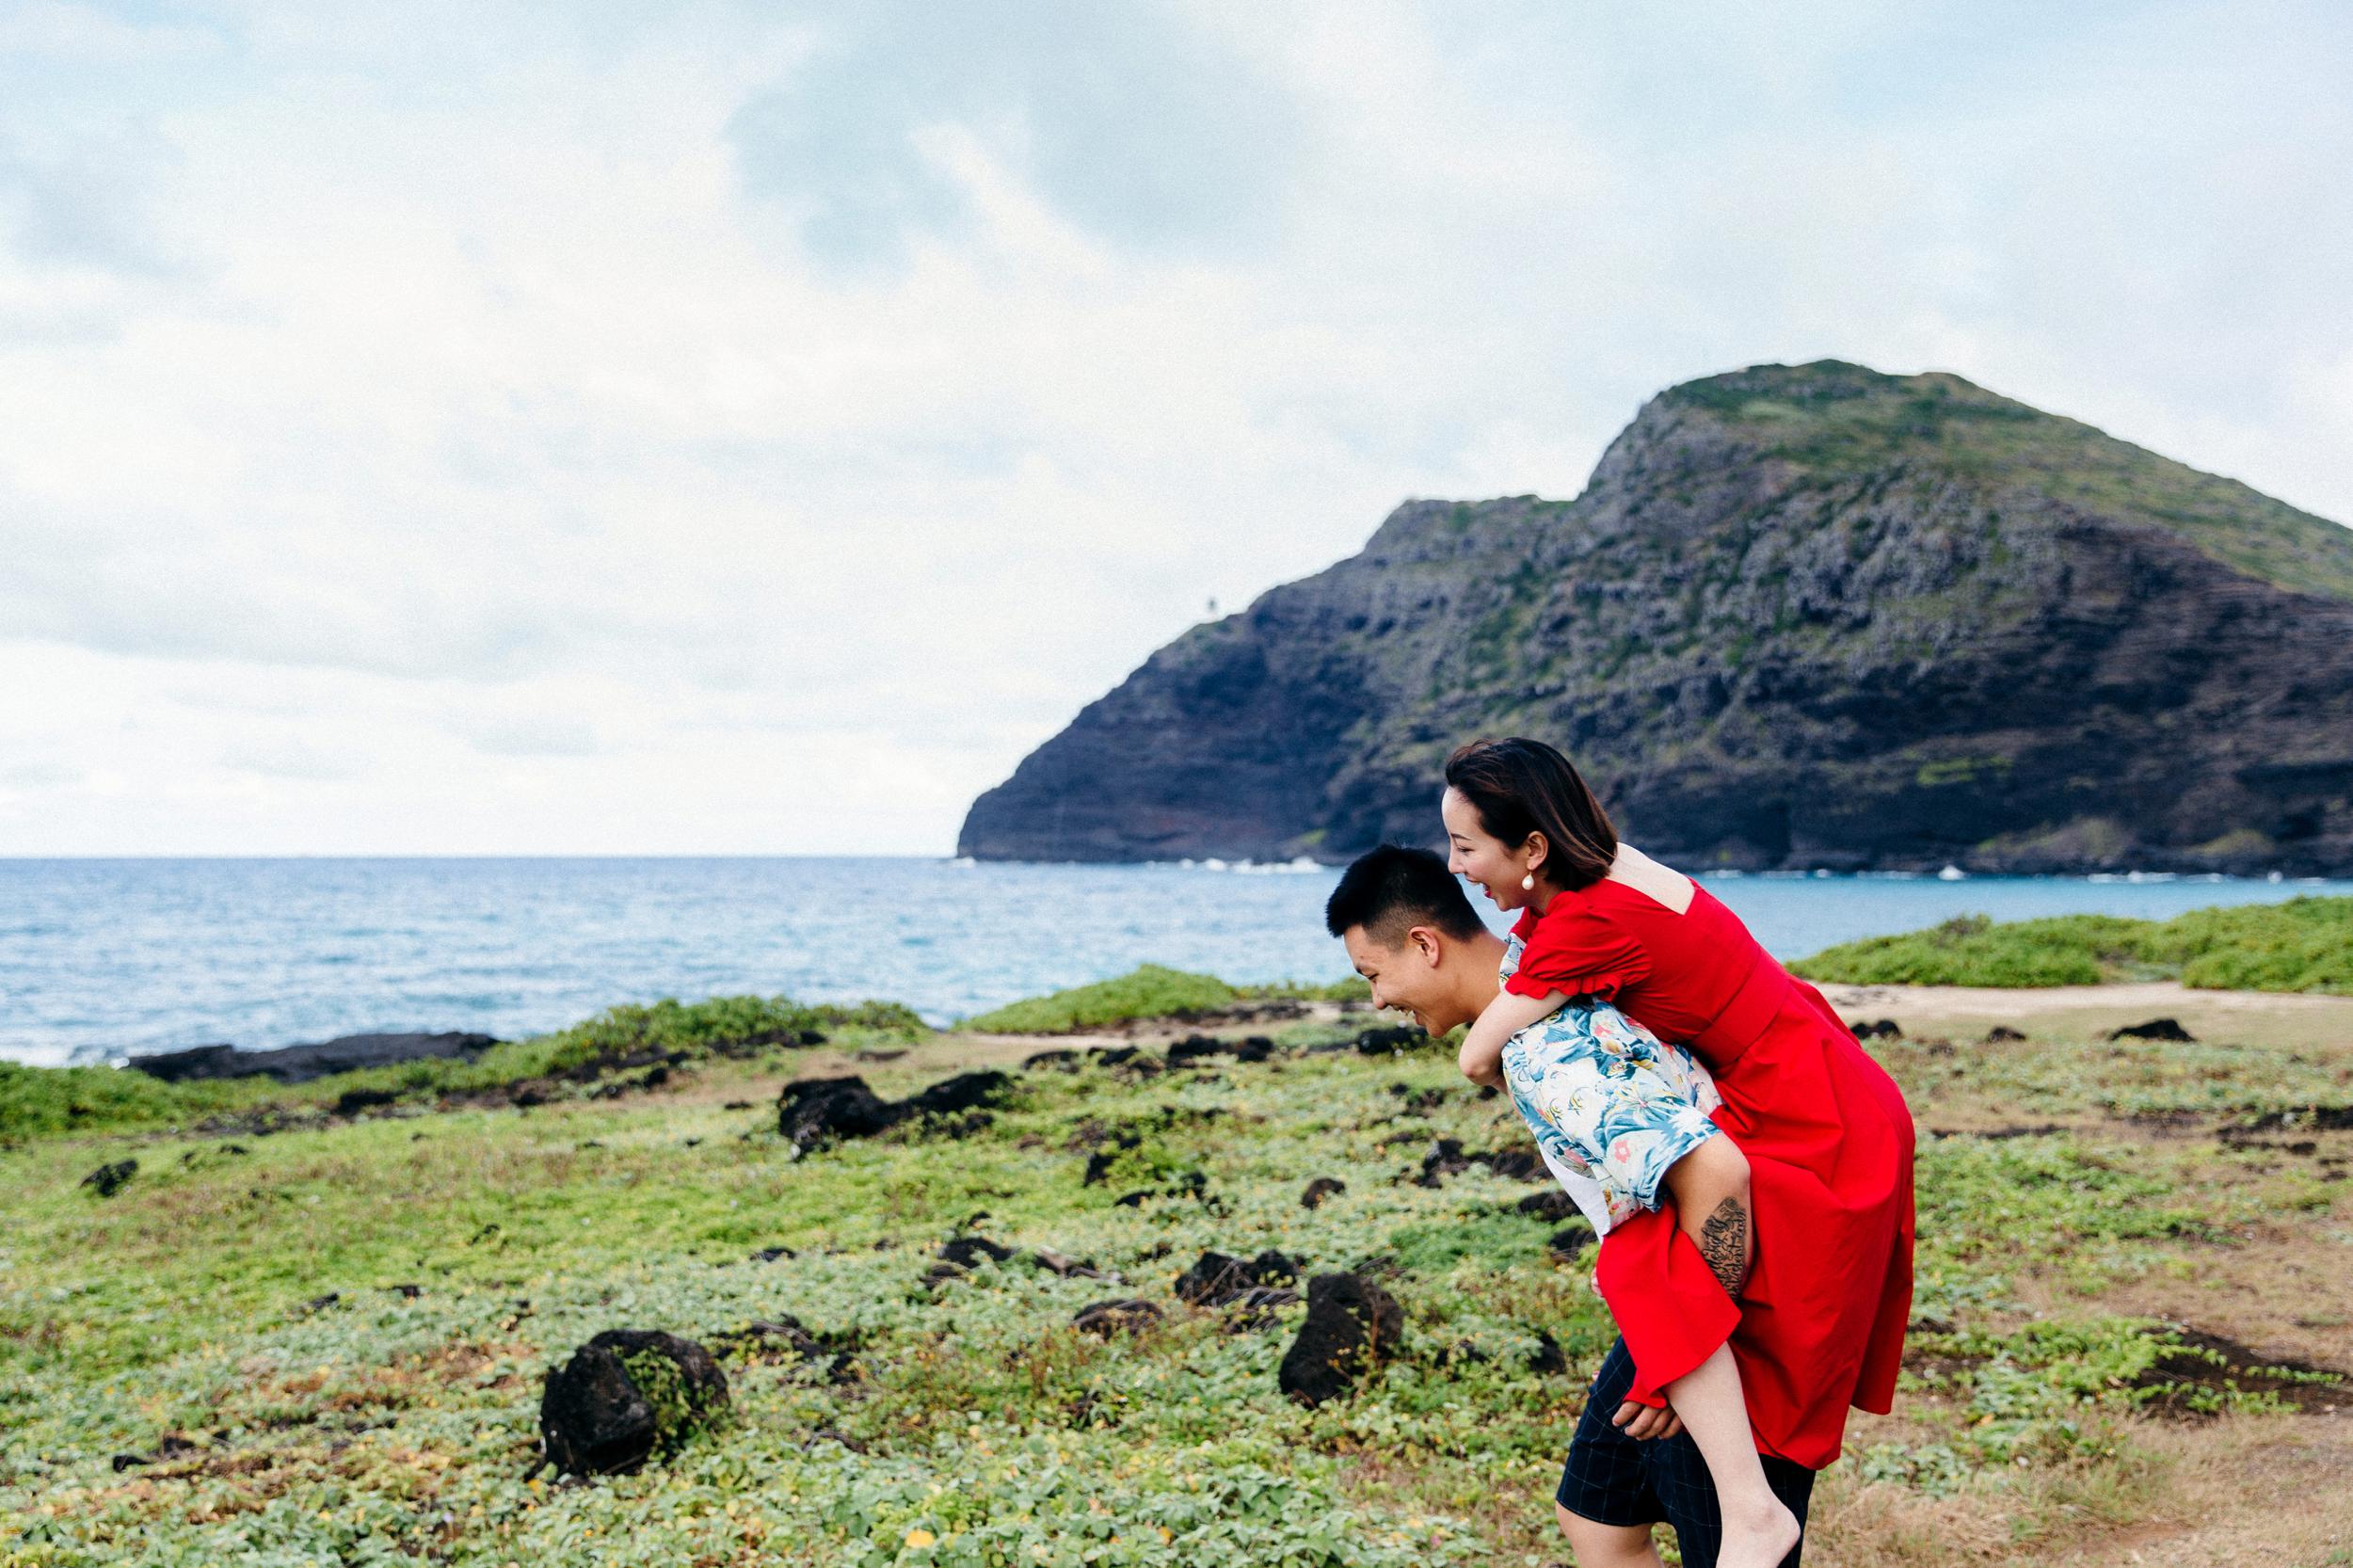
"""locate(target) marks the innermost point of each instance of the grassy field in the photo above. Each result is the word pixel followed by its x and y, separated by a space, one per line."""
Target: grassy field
pixel 323 1332
pixel 2305 944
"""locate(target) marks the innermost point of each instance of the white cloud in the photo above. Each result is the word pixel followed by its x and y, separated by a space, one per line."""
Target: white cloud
pixel 443 435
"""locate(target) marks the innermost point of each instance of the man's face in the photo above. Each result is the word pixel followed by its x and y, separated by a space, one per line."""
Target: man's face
pixel 1410 976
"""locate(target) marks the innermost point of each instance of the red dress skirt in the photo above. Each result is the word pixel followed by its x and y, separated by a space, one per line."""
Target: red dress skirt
pixel 1820 1325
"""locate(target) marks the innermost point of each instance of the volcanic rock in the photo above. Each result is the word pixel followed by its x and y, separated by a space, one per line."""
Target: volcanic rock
pixel 1066 1267
pixel 962 1093
pixel 1217 1279
pixel 1321 1188
pixel 966 1252
pixel 2155 1028
pixel 112 1176
pixel 1447 1157
pixel 624 1395
pixel 813 1111
pixel 1551 1204
pixel 301 1064
pixel 1352 1325
pixel 1116 1317
pixel 1572 1239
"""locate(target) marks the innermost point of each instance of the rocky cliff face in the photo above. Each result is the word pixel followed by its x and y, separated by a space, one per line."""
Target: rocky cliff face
pixel 1802 616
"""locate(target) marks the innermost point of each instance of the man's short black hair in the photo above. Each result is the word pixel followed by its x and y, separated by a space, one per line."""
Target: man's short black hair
pixel 1392 889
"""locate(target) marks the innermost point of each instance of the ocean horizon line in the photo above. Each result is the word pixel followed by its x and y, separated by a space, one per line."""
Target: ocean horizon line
pixel 1298 866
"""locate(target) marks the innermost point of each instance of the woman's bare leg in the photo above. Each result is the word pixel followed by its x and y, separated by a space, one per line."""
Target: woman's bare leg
pixel 1600 1546
pixel 1759 1529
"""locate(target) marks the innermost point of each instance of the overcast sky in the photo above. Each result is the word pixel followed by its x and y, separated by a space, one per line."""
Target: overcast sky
pixel 477 428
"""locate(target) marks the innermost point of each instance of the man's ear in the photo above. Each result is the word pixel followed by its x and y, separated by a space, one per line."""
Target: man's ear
pixel 1426 942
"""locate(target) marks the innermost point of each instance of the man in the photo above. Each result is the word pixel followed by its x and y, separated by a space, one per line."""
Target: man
pixel 1410 932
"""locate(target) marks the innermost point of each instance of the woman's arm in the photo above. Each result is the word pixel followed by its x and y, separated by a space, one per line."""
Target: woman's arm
pixel 1710 1186
pixel 1481 1056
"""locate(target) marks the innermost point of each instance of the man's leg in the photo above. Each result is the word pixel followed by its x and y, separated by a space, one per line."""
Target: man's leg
pixel 1599 1546
pixel 1605 1504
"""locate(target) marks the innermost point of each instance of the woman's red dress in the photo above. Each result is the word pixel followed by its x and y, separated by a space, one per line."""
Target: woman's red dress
pixel 1821 1324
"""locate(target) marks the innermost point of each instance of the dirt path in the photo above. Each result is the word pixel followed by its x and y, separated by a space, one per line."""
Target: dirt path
pixel 2276 1017
pixel 2270 1490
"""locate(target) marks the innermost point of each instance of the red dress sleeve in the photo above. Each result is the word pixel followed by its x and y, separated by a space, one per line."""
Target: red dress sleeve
pixel 1574 950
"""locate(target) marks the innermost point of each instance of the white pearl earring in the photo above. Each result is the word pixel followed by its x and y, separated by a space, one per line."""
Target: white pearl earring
pixel 1528 883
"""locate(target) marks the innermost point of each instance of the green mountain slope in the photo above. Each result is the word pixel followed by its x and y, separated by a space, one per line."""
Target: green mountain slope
pixel 1802 616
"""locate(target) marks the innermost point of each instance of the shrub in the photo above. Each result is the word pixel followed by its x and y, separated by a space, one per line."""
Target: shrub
pixel 1150 991
pixel 2305 944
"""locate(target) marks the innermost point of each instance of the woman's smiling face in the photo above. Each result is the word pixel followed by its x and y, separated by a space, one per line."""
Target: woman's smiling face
pixel 1479 856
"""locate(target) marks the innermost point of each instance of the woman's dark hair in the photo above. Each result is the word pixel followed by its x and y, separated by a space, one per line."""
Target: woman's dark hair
pixel 1520 787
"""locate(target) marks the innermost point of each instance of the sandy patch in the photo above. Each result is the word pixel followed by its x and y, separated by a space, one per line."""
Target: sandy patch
pixel 2269 1017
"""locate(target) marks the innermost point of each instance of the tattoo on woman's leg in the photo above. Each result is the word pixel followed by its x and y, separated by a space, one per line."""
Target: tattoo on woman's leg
pixel 1725 1242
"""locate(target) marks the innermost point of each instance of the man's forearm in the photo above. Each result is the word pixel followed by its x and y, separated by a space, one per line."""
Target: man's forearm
pixel 1482 1054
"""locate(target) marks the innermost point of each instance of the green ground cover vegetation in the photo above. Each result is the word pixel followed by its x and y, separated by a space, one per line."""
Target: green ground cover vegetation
pixel 2304 944
pixel 1149 991
pixel 244 1292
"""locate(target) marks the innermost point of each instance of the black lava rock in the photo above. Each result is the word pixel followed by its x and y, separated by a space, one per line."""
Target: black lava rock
pixel 1551 1204
pixel 1391 1040
pixel 1116 1317
pixel 1447 1157
pixel 966 1251
pixel 1065 1266
pixel 625 1395
pixel 964 1092
pixel 1255 1309
pixel 1217 1279
pixel 110 1178
pixel 301 1064
pixel 1060 1061
pixel 1321 1188
pixel 2155 1028
pixel 1572 1239
pixel 1885 1028
pixel 1352 1325
pixel 813 1111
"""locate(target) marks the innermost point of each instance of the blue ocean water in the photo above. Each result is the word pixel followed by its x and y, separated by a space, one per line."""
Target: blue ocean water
pixel 99 959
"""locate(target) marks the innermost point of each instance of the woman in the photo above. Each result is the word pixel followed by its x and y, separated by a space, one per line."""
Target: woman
pixel 1826 1134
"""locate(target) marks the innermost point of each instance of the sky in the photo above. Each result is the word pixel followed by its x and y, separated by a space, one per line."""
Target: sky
pixel 479 428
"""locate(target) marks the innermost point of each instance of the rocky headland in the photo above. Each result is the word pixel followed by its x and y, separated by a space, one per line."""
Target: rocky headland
pixel 1808 616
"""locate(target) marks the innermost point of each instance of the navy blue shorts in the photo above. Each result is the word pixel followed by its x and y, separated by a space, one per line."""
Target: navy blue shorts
pixel 1615 1480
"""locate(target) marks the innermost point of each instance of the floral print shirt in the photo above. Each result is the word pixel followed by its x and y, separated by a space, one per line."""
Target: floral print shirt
pixel 1611 1105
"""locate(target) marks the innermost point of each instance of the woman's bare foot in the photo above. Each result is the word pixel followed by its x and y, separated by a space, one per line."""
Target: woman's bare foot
pixel 1758 1537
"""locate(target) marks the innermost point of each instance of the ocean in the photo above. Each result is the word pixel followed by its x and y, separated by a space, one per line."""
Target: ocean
pixel 103 959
